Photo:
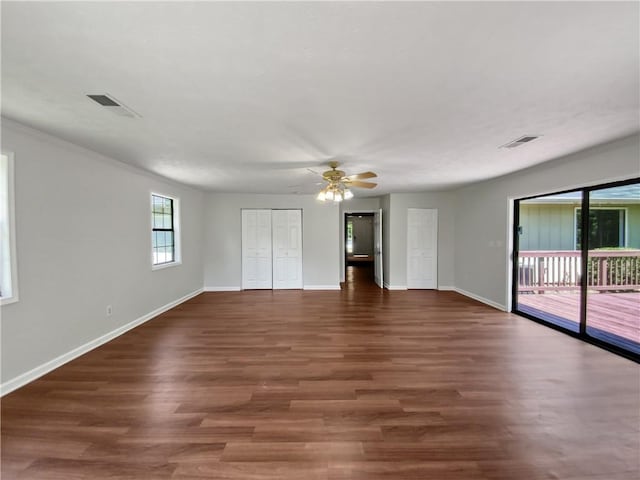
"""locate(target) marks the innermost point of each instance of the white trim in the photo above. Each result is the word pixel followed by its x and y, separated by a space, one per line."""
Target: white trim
pixel 12 271
pixel 486 301
pixel 221 289
pixel 355 212
pixel 31 375
pixel 446 288
pixel 510 251
pixel 321 287
pixel 161 266
pixel 394 287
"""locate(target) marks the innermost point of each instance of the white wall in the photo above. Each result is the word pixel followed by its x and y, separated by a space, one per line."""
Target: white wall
pixel 83 242
pixel 444 202
pixel 484 219
pixel 362 234
pixel 223 233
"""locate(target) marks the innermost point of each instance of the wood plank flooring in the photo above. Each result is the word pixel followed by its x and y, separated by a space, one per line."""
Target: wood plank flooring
pixel 361 384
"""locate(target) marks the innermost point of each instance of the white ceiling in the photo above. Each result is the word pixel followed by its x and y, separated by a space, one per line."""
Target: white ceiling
pixel 245 96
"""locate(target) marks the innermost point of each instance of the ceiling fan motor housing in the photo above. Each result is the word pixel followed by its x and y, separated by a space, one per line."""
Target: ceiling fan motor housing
pixel 333 175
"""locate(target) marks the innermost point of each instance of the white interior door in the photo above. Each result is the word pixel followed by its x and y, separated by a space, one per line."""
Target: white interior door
pixel 377 247
pixel 422 248
pixel 256 249
pixel 287 248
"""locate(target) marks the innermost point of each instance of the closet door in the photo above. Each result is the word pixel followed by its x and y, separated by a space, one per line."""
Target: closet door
pixel 422 248
pixel 256 249
pixel 287 248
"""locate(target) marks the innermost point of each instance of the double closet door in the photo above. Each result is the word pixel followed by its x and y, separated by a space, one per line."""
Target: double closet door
pixel 271 249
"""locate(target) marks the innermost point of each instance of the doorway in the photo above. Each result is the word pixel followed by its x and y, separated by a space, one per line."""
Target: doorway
pixel 359 254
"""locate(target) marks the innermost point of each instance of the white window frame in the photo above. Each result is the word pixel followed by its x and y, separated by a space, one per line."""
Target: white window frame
pixel 177 253
pixel 8 255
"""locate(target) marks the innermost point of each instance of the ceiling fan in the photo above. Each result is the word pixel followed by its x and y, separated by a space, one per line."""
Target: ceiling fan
pixel 339 184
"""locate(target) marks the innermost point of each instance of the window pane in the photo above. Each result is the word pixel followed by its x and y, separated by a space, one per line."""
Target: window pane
pixel 606 227
pixel 549 265
pixel 613 266
pixel 7 262
pixel 157 203
pixel 163 235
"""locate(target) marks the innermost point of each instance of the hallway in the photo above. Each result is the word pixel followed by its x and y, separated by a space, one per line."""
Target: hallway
pixel 360 276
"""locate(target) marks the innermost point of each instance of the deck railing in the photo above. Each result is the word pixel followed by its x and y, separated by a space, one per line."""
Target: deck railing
pixel 610 270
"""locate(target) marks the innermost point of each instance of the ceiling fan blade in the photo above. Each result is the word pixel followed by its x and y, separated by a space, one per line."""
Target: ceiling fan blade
pixel 359 184
pixel 361 176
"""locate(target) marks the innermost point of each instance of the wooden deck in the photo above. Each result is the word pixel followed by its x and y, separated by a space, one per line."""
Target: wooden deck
pixel 616 313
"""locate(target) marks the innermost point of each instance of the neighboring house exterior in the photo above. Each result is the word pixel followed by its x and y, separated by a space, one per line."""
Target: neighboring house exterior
pixel 550 232
pixel 553 222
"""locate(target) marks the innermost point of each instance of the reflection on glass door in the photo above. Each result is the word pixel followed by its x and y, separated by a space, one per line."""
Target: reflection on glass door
pixel 549 259
pixel 613 266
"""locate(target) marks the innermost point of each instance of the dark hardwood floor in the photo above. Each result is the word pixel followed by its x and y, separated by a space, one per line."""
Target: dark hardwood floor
pixel 359 384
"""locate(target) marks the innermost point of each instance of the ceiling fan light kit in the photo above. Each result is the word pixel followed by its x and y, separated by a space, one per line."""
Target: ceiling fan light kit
pixel 339 185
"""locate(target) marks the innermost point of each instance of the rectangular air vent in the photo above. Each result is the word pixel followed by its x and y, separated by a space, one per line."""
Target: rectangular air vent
pixel 104 100
pixel 113 105
pixel 520 141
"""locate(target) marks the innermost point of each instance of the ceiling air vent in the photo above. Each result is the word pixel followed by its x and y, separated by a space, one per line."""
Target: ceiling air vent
pixel 113 105
pixel 520 141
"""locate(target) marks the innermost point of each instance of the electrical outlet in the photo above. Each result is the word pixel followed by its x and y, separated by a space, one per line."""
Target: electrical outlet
pixel 109 310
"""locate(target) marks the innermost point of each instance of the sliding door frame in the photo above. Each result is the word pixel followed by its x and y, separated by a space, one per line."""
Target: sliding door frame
pixel 582 334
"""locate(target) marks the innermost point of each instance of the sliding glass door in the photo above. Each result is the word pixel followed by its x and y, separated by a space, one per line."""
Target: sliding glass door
pixel 549 263
pixel 613 266
pixel 577 263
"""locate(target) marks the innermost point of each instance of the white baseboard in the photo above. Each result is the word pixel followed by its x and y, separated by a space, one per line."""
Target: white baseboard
pixel 446 288
pixel 305 287
pixel 394 287
pixel 321 287
pixel 486 301
pixel 21 380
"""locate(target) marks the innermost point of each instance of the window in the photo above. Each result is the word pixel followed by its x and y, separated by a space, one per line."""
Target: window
pixel 606 227
pixel 164 235
pixel 349 236
pixel 8 278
